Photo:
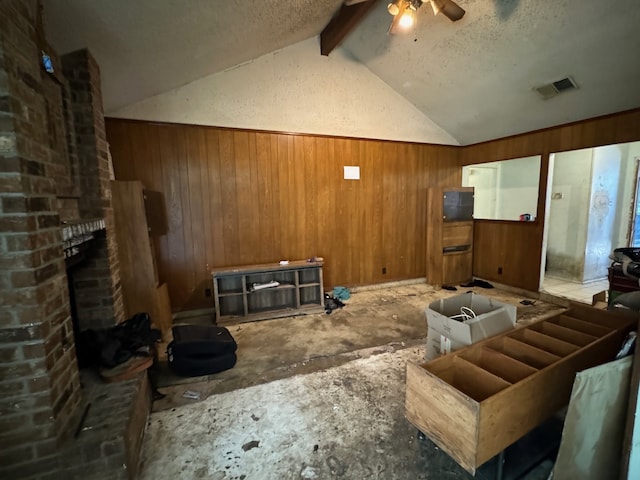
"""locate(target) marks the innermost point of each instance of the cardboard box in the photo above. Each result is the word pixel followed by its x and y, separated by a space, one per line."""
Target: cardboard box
pixel 446 334
pixel 600 300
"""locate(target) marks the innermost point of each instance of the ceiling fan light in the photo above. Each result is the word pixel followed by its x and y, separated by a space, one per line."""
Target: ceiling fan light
pixel 394 7
pixel 408 18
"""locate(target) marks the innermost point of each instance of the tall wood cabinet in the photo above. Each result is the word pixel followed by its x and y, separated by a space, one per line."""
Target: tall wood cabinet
pixel 449 236
pixel 139 215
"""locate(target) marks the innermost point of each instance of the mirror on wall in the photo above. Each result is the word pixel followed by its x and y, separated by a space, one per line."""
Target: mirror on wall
pixel 504 190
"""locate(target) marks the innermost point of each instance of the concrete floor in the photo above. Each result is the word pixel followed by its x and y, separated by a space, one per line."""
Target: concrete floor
pixel 312 397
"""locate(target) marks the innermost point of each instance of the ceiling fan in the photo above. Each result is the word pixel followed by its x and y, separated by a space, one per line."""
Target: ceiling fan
pixel 353 11
pixel 404 12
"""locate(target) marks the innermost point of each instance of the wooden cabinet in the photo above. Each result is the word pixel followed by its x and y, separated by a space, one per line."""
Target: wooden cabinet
pixel 141 289
pixel 258 292
pixel 449 236
pixel 475 402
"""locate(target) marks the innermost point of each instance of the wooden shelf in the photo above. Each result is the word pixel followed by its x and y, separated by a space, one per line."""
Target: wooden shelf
pixel 142 291
pixel 475 402
pixel 300 291
pixel 449 238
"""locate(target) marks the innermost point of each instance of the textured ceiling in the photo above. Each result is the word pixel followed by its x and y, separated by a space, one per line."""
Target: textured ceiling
pixel 474 77
pixel 146 47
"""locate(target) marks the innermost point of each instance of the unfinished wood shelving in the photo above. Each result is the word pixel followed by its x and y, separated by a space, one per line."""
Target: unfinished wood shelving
pixel 299 290
pixel 475 402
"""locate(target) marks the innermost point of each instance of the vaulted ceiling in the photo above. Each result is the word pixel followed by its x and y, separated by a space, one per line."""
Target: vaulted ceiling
pixel 475 78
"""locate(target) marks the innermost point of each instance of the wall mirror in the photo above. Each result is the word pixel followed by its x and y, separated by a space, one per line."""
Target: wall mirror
pixel 504 190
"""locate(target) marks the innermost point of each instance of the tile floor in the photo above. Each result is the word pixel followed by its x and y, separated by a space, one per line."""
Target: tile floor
pixel 581 292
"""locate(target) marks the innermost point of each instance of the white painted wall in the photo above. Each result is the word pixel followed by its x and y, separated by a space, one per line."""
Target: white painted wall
pixel 605 172
pixel 568 216
pixel 295 90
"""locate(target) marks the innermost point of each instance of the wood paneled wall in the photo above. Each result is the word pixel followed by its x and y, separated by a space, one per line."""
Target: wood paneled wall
pixel 516 247
pixel 237 197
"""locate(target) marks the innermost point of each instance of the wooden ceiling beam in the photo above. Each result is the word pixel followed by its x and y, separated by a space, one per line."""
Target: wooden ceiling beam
pixel 342 24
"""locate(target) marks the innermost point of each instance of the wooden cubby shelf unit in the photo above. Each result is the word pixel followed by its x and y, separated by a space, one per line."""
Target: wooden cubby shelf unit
pixel 299 291
pixel 475 402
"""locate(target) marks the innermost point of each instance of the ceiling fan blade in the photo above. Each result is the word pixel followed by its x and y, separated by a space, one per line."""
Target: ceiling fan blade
pixel 448 8
pixel 394 27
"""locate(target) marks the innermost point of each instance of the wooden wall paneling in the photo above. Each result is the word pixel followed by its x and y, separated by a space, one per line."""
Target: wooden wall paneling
pixel 256 226
pixel 373 164
pixel 293 246
pixel 327 179
pixel 207 214
pixel 355 215
pixel 120 138
pixel 281 199
pixel 198 277
pixel 360 226
pixel 369 259
pixel 216 228
pixel 276 205
pixel 154 181
pixel 287 179
pixel 157 183
pixel 345 213
pixel 511 246
pixel 310 196
pixel 389 210
pixel 247 235
pixel 307 193
pixel 174 260
pixel 141 161
pixel 415 220
pixel 228 194
pixel 185 267
pixel 264 195
pixel 301 190
pixel 284 198
pixel 293 178
pixel 405 215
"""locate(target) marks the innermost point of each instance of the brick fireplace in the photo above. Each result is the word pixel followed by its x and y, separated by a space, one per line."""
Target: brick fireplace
pixel 55 172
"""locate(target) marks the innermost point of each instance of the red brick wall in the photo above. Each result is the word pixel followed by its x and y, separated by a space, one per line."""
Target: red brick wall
pixel 38 375
pixel 97 285
pixel 53 167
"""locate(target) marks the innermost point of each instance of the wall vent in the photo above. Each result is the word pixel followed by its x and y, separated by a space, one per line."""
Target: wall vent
pixel 552 89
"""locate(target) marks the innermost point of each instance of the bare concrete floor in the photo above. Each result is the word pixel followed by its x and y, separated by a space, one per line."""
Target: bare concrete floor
pixel 311 397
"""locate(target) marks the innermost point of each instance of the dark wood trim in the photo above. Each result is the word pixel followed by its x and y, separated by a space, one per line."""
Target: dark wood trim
pixel 342 24
pixel 278 132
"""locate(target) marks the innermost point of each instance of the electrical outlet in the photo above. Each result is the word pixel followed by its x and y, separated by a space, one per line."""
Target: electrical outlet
pixel 384 270
pixel 499 270
pixel 207 292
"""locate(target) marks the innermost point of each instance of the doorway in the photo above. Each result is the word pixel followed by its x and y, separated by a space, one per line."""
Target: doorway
pixel 635 218
pixel 591 209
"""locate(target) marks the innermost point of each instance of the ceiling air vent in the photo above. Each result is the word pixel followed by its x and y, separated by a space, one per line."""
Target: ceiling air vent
pixel 554 88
